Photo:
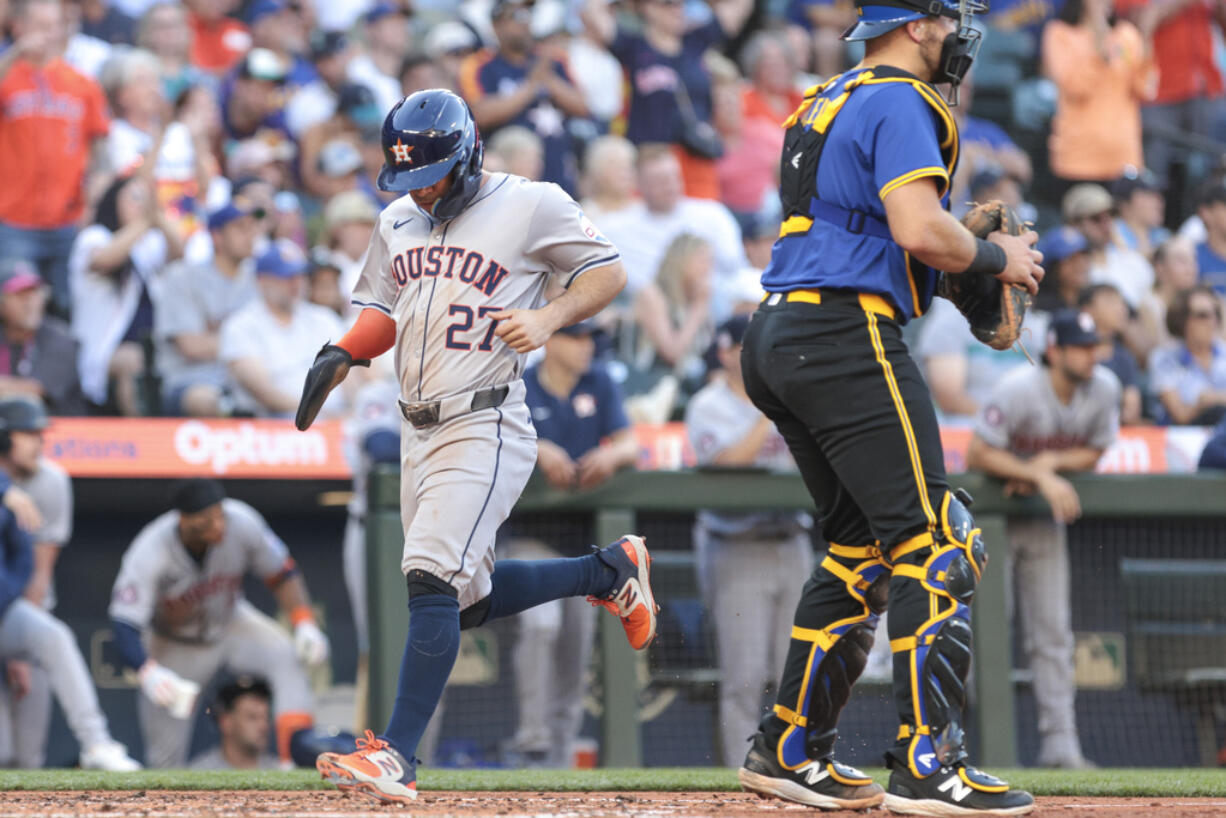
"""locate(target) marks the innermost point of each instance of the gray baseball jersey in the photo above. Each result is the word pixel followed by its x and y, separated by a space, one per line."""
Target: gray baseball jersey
pixel 1024 415
pixel 374 410
pixel 161 585
pixel 51 490
pixel 716 418
pixel 747 566
pixel 440 282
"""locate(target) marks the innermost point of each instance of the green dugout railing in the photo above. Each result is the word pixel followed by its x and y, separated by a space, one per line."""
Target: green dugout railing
pixel 614 505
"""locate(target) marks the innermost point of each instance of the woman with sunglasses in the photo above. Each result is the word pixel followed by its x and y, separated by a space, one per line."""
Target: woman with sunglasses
pixel 1189 376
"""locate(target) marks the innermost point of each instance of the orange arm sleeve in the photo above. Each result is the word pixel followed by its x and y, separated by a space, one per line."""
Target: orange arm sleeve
pixel 370 336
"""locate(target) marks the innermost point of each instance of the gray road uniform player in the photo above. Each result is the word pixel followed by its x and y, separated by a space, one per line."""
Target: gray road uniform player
pixel 195 620
pixel 747 563
pixel 441 283
pixel 372 436
pixel 454 281
pixel 25 721
pixel 1025 417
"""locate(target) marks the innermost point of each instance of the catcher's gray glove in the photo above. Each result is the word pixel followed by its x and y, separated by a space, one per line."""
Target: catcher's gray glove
pixel 329 369
pixel 994 309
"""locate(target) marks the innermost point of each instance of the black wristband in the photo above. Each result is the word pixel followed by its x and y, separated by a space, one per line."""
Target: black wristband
pixel 990 259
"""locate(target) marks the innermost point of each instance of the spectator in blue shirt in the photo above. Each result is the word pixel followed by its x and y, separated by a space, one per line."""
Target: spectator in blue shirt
pixel 583 438
pixel 1189 377
pixel 1211 253
pixel 1141 208
pixel 521 84
pixel 584 435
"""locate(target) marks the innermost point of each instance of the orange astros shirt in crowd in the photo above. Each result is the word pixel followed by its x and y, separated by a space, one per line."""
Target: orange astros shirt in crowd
pixel 1184 51
pixel 49 118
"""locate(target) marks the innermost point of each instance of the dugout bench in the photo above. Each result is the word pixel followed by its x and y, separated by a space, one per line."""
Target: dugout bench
pixel 1176 624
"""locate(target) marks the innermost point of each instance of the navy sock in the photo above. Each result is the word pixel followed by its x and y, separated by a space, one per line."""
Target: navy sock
pixel 429 655
pixel 523 584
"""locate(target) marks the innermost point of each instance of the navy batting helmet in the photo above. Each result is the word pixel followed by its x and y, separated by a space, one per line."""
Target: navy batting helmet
pixel 426 136
pixel 20 415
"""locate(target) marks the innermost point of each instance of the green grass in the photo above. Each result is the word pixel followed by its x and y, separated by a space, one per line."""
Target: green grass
pixel 1165 782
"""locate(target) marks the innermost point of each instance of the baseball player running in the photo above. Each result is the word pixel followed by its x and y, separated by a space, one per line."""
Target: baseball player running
pixel 182 579
pixel 454 279
pixel 864 182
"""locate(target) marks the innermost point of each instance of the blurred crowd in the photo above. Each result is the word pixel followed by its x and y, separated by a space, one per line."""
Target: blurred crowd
pixel 188 186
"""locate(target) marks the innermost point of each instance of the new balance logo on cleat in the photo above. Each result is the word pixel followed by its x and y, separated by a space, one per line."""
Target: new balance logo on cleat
pixel 375 768
pixel 956 789
pixel 630 598
pixel 813 772
pixel 953 791
pixel 821 783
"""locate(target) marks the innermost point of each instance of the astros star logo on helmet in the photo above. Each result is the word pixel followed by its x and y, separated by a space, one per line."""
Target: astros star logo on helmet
pixel 401 151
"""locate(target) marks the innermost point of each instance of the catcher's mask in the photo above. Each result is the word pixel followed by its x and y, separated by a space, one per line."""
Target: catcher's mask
pixel 877 17
pixel 426 136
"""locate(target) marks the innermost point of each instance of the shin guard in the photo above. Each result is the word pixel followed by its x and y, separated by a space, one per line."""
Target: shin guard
pixel 938 651
pixel 836 655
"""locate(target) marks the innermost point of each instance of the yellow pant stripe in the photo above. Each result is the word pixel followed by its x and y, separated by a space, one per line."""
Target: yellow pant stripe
pixel 908 433
pixel 876 304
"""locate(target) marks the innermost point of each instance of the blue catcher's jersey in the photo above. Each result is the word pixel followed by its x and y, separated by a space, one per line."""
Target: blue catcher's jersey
pixel 853 140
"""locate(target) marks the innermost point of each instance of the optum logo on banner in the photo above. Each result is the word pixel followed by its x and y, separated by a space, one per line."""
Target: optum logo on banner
pixel 220 449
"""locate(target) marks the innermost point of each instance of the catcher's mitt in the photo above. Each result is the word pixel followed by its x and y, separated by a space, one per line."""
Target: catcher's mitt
pixel 993 309
pixel 329 369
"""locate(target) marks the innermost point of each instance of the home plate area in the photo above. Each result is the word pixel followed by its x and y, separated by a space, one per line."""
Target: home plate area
pixel 327 804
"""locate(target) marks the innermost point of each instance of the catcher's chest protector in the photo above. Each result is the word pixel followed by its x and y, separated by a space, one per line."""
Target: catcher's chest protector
pixel 807 129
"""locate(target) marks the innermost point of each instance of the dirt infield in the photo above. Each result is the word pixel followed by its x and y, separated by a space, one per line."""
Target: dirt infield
pixel 331 804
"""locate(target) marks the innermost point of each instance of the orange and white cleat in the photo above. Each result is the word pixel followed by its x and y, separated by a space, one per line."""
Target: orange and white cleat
pixel 375 769
pixel 631 599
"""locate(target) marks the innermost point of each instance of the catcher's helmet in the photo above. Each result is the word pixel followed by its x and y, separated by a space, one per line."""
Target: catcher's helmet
pixel 877 17
pixel 426 136
pixel 20 415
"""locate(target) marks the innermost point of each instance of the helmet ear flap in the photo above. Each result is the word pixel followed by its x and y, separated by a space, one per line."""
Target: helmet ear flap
pixel 477 159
